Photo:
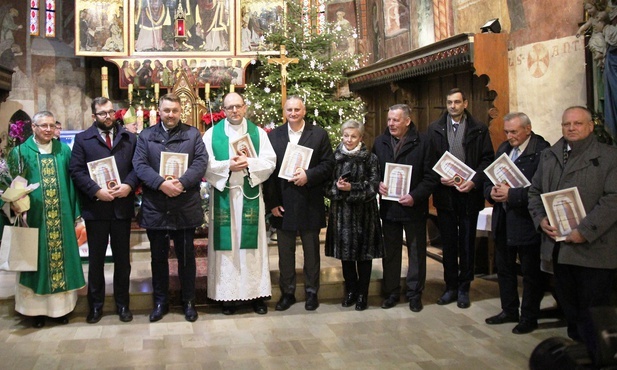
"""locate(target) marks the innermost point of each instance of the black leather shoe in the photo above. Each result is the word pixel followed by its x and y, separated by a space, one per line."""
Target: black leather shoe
pixel 125 314
pixel 259 306
pixel 362 302
pixel 448 297
pixel 95 315
pixel 502 318
pixel 160 310
pixel 525 327
pixel 415 304
pixel 349 300
pixel 311 303
pixel 463 300
pixel 228 308
pixel 190 313
pixel 390 302
pixel 38 322
pixel 285 302
pixel 62 319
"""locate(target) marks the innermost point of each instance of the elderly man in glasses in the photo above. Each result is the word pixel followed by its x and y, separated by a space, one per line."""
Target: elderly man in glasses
pixel 107 204
pixel 51 291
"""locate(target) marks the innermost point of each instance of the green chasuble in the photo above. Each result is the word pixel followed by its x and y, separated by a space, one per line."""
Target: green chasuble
pixel 53 209
pixel 222 211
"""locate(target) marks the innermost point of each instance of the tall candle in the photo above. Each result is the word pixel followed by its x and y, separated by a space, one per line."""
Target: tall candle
pixel 140 119
pixel 130 92
pixel 152 120
pixel 156 91
pixel 207 91
pixel 104 83
pixel 232 88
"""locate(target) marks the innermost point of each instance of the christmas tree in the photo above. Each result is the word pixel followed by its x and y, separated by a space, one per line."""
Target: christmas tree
pixel 318 77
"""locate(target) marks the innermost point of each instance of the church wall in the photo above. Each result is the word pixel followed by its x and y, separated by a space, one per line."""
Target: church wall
pixel 546 62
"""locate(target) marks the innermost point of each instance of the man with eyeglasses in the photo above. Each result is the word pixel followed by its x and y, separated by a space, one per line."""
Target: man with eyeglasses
pixel 51 291
pixel 107 204
pixel 238 268
pixel 297 204
pixel 585 262
pixel 171 204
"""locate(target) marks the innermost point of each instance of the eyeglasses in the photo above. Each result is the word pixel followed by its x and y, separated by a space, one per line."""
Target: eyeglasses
pixel 46 127
pixel 231 108
pixel 105 114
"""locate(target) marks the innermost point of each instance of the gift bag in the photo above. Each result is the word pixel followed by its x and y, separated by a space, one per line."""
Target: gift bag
pixel 19 249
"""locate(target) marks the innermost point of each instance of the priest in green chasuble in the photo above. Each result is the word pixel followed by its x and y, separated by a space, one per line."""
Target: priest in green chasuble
pixel 52 290
pixel 241 158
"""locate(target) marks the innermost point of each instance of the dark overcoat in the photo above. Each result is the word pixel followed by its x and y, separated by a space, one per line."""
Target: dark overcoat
pixel 158 210
pixel 89 146
pixel 416 152
pixel 304 205
pixel 479 154
pixel 354 228
pixel 520 229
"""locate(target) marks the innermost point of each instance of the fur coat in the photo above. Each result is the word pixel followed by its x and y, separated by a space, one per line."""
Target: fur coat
pixel 354 228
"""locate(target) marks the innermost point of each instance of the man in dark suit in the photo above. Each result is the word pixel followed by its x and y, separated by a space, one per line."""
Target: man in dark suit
pixel 297 204
pixel 513 229
pixel 107 204
pixel 458 204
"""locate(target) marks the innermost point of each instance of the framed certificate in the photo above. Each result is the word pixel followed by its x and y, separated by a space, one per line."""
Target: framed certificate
pixel 173 165
pixel 105 172
pixel 296 156
pixel 503 170
pixel 397 178
pixel 564 210
pixel 244 146
pixel 450 167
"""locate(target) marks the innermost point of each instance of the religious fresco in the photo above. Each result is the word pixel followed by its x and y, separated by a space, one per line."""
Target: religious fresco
pixel 255 19
pixel 145 72
pixel 13 33
pixel 396 17
pixel 342 14
pixel 100 27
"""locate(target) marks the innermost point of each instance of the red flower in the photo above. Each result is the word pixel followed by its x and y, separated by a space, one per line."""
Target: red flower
pixel 210 118
pixel 120 114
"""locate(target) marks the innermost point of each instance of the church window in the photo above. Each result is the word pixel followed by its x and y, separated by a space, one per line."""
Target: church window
pixel 50 17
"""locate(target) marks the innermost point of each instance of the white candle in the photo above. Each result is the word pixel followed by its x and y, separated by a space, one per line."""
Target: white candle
pixel 104 83
pixel 156 91
pixel 232 88
pixel 207 91
pixel 130 92
pixel 152 120
pixel 140 119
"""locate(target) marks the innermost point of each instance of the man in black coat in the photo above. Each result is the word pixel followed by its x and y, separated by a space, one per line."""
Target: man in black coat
pixel 297 204
pixel 401 143
pixel 458 205
pixel 171 204
pixel 107 206
pixel 514 231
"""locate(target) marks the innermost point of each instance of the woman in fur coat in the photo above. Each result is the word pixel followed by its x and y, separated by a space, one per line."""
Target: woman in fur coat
pixel 354 228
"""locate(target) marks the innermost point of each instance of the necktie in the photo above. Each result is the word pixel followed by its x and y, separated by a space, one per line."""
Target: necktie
pixel 108 139
pixel 566 154
pixel 455 126
pixel 515 154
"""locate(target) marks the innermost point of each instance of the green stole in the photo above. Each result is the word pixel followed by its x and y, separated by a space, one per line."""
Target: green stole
pixel 222 212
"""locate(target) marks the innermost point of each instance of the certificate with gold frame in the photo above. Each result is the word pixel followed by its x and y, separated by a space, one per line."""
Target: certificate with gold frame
pixel 101 27
pixel 450 167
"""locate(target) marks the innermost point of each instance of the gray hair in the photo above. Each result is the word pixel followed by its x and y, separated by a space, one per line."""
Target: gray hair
pixel 523 118
pixel 404 107
pixel 352 123
pixel 38 116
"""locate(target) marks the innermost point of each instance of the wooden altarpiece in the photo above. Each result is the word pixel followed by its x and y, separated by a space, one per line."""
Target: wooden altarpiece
pixel 193 107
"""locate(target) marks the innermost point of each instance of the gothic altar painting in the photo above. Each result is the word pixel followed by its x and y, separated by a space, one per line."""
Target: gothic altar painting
pixel 100 27
pixel 396 17
pixel 342 14
pixel 208 25
pixel 256 18
pixel 145 72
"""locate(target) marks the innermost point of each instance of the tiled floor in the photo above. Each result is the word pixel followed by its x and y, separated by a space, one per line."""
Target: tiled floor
pixel 332 337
